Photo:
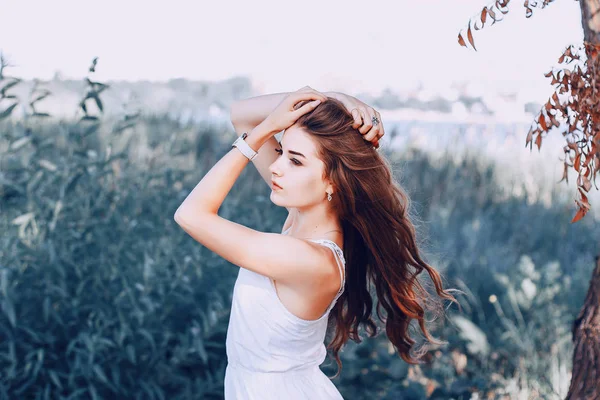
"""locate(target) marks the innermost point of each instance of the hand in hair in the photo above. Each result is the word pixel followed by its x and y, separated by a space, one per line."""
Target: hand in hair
pixel 361 112
pixel 292 107
pixel 363 118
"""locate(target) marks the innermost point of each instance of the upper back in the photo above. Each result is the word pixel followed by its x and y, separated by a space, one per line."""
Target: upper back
pixel 323 297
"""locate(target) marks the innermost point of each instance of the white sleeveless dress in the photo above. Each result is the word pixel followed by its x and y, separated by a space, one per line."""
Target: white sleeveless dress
pixel 272 353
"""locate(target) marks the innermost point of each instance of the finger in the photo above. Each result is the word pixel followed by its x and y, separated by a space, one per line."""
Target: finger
pixel 367 124
pixel 374 131
pixel 298 104
pixel 381 129
pixel 307 107
pixel 357 118
pixel 310 95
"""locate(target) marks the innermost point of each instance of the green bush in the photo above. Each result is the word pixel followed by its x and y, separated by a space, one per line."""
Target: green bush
pixel 104 296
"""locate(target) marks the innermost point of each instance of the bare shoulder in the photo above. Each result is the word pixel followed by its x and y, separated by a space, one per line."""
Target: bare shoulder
pixel 330 272
pixel 280 257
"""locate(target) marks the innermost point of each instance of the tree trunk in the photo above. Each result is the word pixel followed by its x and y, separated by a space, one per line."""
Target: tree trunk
pixel 590 20
pixel 585 380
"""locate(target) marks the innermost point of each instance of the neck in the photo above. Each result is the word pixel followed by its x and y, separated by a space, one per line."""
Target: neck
pixel 315 222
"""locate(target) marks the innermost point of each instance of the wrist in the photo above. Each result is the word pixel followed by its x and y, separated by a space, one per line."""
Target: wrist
pixel 262 130
pixel 258 136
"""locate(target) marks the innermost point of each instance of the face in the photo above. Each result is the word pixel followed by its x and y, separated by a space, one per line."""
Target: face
pixel 300 176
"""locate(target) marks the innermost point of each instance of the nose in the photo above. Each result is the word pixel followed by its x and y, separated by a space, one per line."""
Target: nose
pixel 273 168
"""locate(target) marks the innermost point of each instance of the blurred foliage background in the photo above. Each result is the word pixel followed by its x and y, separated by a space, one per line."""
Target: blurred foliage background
pixel 103 296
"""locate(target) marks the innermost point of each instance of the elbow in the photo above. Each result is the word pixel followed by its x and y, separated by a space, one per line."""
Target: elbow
pixel 177 216
pixel 185 216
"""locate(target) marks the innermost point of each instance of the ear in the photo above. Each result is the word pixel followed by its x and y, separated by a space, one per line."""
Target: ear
pixel 329 188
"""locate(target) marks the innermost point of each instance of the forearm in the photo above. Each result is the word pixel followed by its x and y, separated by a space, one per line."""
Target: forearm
pixel 210 192
pixel 254 110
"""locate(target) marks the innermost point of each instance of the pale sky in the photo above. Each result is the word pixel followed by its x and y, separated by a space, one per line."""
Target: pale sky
pixel 329 45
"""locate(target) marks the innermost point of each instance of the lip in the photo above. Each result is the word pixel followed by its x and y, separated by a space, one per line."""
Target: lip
pixel 276 186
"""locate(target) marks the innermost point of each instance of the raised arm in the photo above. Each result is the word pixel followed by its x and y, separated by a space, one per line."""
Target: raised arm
pixel 252 111
pixel 247 114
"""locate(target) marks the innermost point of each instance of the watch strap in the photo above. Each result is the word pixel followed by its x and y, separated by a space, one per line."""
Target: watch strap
pixel 242 146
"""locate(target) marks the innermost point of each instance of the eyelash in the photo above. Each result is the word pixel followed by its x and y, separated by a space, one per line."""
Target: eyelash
pixel 296 162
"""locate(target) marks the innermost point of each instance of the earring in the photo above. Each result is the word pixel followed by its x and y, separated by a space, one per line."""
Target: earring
pixel 329 196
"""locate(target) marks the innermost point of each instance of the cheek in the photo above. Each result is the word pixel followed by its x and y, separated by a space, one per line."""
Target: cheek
pixel 304 182
pixel 310 185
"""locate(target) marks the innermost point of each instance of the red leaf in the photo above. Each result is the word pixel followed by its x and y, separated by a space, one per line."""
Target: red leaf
pixel 483 16
pixel 580 214
pixel 470 36
pixel 577 162
pixel 565 174
pixel 529 10
pixel 502 6
pixel 587 185
pixel 529 137
pixel 538 140
pixel 572 127
pixel 543 122
pixel 584 200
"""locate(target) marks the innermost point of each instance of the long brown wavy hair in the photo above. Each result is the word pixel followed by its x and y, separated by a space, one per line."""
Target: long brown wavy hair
pixel 380 245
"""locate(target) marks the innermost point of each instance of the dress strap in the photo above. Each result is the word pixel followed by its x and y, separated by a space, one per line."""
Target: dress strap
pixel 336 251
pixel 341 261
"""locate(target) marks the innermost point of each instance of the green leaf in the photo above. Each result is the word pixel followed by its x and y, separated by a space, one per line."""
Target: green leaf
pixel 148 337
pixel 9 310
pixel 93 392
pixel 54 377
pixel 100 373
pixel 6 113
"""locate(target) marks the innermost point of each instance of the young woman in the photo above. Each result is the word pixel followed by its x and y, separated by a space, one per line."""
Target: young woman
pixel 347 235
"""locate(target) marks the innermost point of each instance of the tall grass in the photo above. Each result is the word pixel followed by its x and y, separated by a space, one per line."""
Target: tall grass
pixel 103 296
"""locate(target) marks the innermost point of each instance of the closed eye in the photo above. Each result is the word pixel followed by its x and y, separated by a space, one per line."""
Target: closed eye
pixel 293 159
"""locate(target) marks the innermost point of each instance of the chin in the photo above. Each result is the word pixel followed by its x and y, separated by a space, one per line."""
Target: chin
pixel 274 197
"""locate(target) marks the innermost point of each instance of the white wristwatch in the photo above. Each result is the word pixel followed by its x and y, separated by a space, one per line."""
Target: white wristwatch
pixel 242 146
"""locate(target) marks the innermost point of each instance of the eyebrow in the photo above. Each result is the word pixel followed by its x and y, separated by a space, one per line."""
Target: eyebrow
pixel 294 152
